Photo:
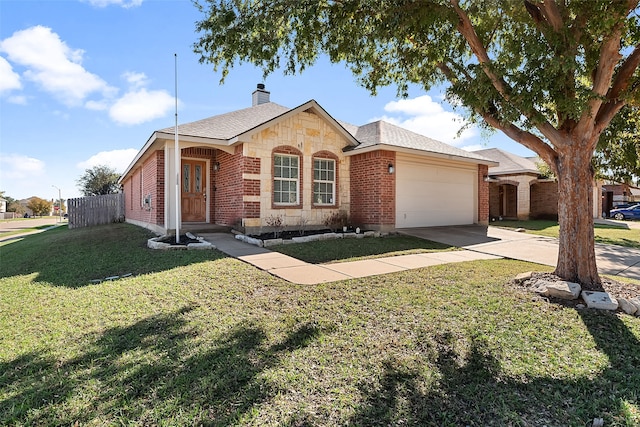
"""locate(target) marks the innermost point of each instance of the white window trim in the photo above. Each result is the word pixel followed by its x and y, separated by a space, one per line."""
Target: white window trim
pixel 296 180
pixel 333 183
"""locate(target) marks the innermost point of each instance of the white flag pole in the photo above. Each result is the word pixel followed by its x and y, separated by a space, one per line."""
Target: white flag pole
pixel 177 156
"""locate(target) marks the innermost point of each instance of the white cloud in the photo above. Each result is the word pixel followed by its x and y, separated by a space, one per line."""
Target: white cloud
pixel 135 80
pixel 123 3
pixel 97 105
pixel 116 159
pixel 426 117
pixel 17 99
pixel 140 105
pixel 20 167
pixel 53 65
pixel 9 79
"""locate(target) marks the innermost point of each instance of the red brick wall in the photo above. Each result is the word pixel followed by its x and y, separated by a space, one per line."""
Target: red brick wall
pixel 544 200
pixel 228 184
pixel 373 189
pixel 228 205
pixel 483 195
pixel 147 179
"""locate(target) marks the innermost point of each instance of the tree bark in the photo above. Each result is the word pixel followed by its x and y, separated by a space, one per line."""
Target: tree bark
pixel 576 256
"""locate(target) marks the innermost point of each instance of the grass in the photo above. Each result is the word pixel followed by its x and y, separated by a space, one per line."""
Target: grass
pixel 605 234
pixel 197 338
pixel 343 250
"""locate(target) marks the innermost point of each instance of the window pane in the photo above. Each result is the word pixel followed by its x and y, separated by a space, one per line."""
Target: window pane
pixel 324 181
pixel 186 178
pixel 198 173
pixel 285 179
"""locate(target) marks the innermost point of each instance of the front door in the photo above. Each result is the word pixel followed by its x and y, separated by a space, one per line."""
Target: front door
pixel 194 190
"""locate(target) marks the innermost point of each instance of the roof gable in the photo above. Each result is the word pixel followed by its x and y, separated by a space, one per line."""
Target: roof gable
pixel 509 163
pixel 239 125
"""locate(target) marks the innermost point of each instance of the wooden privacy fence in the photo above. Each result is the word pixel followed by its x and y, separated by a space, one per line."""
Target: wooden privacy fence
pixel 96 210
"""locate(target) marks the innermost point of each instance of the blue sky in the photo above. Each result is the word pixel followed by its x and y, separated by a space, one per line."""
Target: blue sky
pixel 86 82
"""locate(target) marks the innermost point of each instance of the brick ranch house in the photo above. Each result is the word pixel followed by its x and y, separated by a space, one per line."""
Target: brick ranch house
pixel 614 194
pixel 301 165
pixel 518 191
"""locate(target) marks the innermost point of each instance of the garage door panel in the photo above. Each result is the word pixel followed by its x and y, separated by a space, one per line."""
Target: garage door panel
pixel 431 195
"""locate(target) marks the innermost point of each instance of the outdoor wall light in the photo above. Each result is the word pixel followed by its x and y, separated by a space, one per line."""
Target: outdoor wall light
pixel 390 168
pixel 216 166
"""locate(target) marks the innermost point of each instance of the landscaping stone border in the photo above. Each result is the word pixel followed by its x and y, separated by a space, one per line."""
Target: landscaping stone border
pixel 156 243
pixel 304 239
pixel 556 288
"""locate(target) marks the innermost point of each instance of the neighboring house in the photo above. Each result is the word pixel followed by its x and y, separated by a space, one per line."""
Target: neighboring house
pixel 3 205
pixel 614 194
pixel 247 167
pixel 518 191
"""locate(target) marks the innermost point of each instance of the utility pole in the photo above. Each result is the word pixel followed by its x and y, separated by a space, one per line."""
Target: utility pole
pixel 59 203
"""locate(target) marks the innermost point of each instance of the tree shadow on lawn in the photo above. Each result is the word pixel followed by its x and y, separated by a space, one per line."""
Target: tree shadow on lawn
pixel 471 390
pixel 147 373
pixel 73 258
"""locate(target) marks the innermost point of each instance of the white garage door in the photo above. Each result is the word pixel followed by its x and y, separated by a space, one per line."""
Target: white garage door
pixel 430 194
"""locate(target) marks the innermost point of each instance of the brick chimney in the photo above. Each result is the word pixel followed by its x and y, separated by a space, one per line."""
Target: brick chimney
pixel 260 95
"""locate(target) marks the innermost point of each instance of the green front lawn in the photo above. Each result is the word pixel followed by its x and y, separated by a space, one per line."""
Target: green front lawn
pixel 606 234
pixel 198 338
pixel 343 250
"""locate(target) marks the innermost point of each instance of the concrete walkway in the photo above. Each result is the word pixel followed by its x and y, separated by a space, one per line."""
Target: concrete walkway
pixel 611 260
pixel 300 272
pixel 11 230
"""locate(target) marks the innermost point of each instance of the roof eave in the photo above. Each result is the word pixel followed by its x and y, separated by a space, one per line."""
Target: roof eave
pixel 152 139
pixel 189 140
pixel 419 152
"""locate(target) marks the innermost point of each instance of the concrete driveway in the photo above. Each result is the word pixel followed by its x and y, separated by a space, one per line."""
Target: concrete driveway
pixel 611 260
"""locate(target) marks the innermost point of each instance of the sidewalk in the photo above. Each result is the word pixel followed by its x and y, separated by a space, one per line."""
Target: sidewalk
pixel 7 227
pixel 296 271
pixel 611 260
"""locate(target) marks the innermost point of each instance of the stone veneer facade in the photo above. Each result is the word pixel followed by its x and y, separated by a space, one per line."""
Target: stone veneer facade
pixel 307 136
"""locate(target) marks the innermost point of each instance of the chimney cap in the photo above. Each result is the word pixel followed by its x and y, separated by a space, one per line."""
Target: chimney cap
pixel 261 86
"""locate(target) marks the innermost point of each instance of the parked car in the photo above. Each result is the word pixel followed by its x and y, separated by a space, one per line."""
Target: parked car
pixel 632 212
pixel 625 205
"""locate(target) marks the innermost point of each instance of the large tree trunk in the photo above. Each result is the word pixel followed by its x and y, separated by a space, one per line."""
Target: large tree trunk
pixel 576 257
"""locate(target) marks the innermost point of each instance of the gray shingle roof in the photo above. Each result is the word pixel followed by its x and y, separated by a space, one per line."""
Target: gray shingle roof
pixel 509 162
pixel 229 125
pixel 384 133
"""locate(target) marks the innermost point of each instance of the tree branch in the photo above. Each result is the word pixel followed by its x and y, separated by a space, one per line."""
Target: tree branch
pixel 552 15
pixel 466 29
pixel 529 140
pixel 602 81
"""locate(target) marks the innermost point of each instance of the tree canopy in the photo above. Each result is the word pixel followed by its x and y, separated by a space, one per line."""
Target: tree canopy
pixel 39 206
pixel 99 180
pixel 551 75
